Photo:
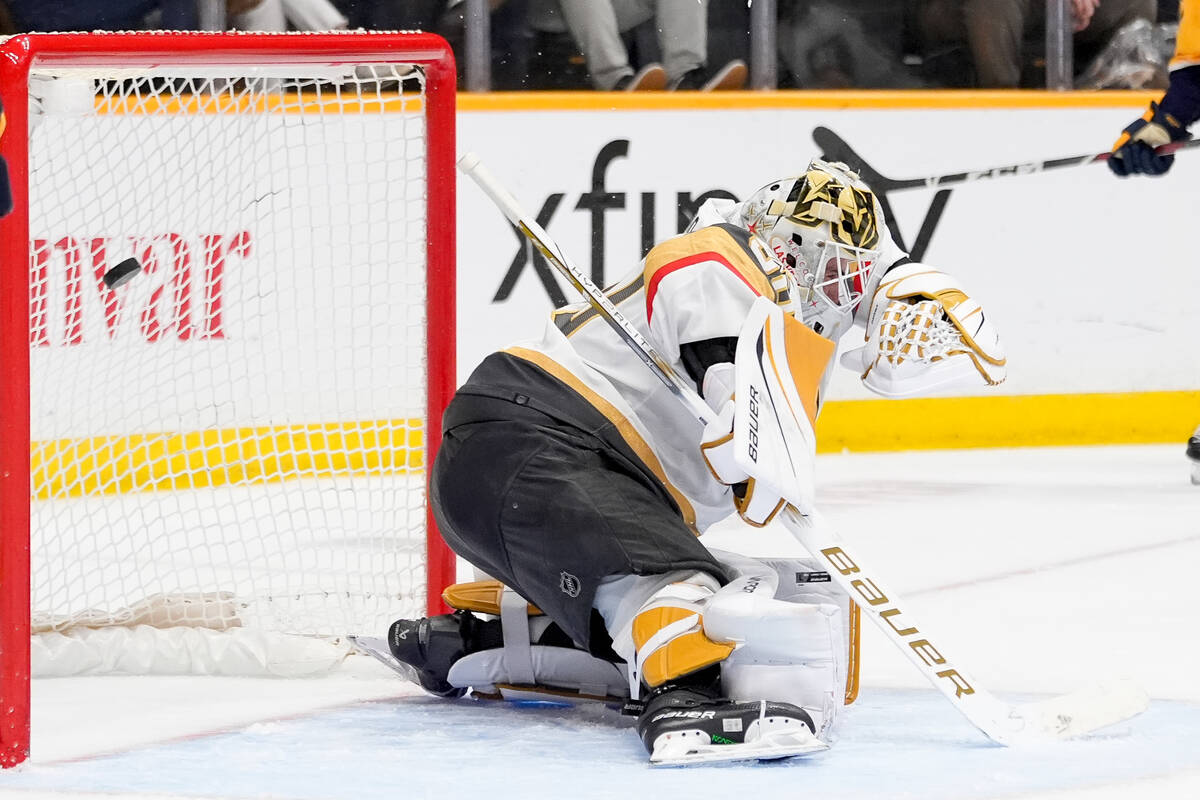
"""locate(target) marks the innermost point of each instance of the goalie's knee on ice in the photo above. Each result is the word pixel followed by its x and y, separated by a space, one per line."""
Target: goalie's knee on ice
pixel 520 655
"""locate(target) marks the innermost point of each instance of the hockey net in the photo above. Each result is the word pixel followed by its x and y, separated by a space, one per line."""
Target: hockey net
pixel 235 439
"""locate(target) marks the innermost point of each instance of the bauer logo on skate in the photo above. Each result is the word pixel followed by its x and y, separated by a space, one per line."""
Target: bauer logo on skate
pixel 178 294
pixel 878 602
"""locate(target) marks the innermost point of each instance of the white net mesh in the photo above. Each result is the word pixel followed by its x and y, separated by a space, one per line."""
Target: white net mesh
pixel 245 416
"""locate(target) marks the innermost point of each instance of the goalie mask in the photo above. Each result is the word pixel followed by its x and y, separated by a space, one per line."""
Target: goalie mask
pixel 823 227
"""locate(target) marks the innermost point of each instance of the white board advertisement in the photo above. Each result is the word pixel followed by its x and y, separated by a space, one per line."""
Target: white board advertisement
pixel 1091 280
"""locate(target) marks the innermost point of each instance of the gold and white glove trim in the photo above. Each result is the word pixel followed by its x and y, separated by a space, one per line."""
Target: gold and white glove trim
pixel 925 333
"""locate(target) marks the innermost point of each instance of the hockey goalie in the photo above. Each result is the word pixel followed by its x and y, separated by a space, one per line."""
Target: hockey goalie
pixel 571 475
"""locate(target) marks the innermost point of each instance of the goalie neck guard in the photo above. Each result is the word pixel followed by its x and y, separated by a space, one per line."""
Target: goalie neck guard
pixel 824 228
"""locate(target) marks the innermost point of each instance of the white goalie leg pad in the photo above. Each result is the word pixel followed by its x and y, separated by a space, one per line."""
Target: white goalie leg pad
pixel 788 651
pixel 926 334
pixel 522 670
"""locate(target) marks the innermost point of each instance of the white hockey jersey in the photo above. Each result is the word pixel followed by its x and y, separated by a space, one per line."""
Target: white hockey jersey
pixel 694 287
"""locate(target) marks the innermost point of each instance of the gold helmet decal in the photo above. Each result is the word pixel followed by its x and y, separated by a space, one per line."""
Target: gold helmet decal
pixel 820 197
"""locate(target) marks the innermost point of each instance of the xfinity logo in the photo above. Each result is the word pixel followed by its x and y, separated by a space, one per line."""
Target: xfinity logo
pixel 601 203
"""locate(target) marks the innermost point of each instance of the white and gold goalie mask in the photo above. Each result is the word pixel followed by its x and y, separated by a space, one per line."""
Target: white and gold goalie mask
pixel 823 227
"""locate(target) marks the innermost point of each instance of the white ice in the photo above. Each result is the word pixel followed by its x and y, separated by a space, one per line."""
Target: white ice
pixel 1045 568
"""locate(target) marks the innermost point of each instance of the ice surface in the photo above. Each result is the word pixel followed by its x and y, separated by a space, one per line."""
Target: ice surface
pixel 1045 569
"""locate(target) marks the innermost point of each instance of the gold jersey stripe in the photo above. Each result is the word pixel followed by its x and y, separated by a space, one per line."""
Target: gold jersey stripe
pixel 570 324
pixel 684 251
pixel 624 427
pixel 152 462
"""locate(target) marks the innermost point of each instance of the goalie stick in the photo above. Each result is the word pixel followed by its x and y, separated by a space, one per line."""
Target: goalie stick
pixel 1056 718
pixel 834 148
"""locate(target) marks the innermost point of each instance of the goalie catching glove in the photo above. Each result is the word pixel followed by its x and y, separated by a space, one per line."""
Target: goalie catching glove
pixel 926 334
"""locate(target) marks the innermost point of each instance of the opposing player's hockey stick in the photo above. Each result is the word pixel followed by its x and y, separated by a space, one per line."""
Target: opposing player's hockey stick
pixel 1058 718
pixel 834 148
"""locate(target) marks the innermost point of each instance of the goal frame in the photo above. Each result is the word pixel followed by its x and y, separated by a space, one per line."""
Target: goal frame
pixel 18 55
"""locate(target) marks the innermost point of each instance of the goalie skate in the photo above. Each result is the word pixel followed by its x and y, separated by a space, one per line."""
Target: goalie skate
pixel 682 727
pixel 682 750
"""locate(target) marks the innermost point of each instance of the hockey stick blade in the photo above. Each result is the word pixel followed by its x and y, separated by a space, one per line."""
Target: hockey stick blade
pixel 1079 713
pixel 834 148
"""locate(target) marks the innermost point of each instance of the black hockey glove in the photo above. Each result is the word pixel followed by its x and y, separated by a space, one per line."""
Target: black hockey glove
pixel 1133 153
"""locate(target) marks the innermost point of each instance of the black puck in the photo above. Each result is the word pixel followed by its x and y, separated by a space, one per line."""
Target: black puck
pixel 122 273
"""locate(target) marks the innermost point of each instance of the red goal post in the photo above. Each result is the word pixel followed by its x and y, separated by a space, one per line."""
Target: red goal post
pixel 250 418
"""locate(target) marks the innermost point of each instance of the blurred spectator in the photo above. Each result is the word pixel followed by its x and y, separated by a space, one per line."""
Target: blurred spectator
pixel 110 15
pixel 392 15
pixel 996 31
pixel 1168 10
pixel 510 32
pixel 282 15
pixel 682 37
pixel 7 26
pixel 511 39
pixel 116 15
pixel 839 44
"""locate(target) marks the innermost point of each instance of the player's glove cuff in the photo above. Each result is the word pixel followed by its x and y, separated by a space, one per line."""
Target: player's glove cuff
pixel 1134 151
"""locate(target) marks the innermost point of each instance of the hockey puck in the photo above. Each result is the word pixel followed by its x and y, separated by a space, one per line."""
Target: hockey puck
pixel 122 273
